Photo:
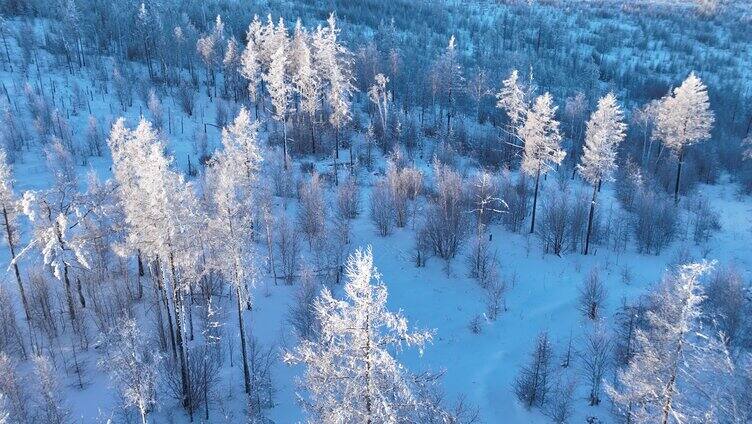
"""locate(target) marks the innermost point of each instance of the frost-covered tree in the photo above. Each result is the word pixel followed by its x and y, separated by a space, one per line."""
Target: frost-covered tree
pixel 663 382
pixel 747 146
pixel 250 67
pixel 231 68
pixel 380 97
pixel 209 48
pixel 232 175
pixel 10 211
pixel 305 78
pixel 541 138
pixel 351 375
pixel 156 109
pixel 312 209
pixel 511 99
pixel 334 65
pixel 14 389
pixel 485 199
pixel 684 118
pixel 277 80
pixel 605 130
pixel 162 217
pixel 644 118
pixel 54 215
pixel 132 365
pixel 446 219
pixel 450 79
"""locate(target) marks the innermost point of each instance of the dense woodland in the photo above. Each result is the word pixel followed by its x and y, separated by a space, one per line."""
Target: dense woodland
pixel 167 167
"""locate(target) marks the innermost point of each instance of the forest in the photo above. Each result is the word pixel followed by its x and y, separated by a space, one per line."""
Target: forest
pixel 368 211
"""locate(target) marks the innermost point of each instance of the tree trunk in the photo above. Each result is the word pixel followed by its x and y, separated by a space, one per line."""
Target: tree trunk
pixel 678 176
pixel 178 306
pixel 590 220
pixel 166 303
pixel 68 295
pixel 535 200
pixel 246 374
pixel 80 293
pixel 336 156
pixel 140 275
pixel 21 291
pixel 284 144
pixel 368 368
pixel 671 385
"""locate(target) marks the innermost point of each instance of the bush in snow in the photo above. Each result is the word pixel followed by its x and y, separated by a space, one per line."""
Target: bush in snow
pixel 446 223
pixel 382 213
pixel 656 221
pixel 348 199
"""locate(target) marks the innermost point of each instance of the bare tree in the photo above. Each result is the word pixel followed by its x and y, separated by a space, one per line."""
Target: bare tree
pixel 533 384
pixel 312 211
pixel 382 213
pixel 14 389
pixel 446 222
pixel 592 296
pixel 348 199
pixel 288 248
pixel 595 357
pixel 261 398
pixel 560 406
pixel 50 401
pixel 494 295
pixel 302 315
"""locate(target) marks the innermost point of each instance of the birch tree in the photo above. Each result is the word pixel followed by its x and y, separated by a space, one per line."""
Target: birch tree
pixel 250 68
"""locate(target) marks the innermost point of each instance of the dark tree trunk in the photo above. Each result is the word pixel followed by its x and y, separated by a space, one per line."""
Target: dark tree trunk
pixel 590 220
pixel 678 176
pixel 535 201
pixel 9 234
pixel 246 373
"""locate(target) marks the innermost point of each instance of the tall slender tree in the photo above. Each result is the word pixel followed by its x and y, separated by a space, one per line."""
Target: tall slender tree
pixel 277 80
pixel 231 177
pixel 511 99
pixel 542 139
pixel 10 210
pixel 684 118
pixel 605 130
pixel 334 64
